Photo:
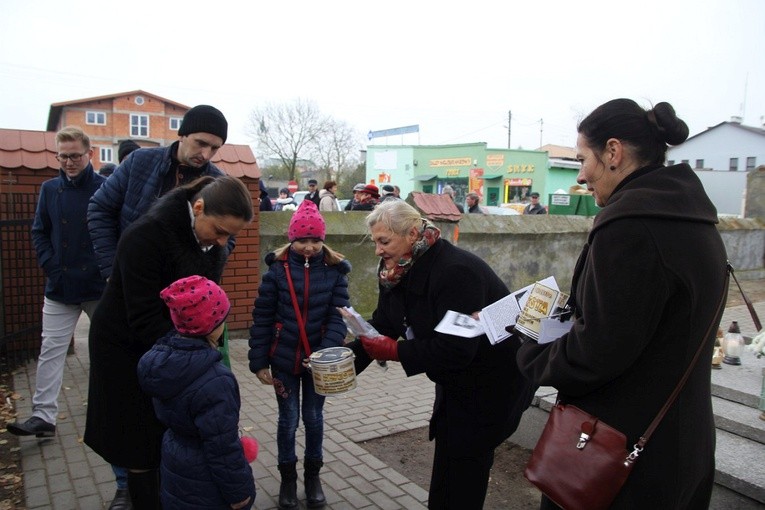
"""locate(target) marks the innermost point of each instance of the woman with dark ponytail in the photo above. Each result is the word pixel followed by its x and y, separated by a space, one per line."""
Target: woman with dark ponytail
pixel 184 233
pixel 645 290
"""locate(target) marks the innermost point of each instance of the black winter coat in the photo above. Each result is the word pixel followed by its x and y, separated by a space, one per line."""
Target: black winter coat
pixel 61 239
pixel 646 289
pixel 480 393
pixel 156 250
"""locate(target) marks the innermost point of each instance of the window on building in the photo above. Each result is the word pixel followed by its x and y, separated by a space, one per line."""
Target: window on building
pixel 751 163
pixel 105 154
pixel 699 163
pixel 733 164
pixel 139 125
pixel 670 162
pixel 95 118
pixel 175 123
pixel 684 161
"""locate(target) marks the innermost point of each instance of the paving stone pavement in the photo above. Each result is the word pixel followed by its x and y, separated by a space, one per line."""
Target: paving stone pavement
pixel 62 473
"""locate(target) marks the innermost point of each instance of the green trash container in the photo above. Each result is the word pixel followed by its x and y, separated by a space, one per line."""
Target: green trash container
pixel 587 206
pixel 563 204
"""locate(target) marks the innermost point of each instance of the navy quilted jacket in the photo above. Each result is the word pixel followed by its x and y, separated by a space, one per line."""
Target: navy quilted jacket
pixel 61 239
pixel 128 193
pixel 274 337
pixel 197 398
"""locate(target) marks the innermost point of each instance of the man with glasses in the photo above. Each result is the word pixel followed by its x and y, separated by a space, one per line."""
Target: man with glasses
pixel 74 284
pixel 148 173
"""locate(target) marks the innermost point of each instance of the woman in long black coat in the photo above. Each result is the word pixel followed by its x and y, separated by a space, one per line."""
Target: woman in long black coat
pixel 184 233
pixel 646 288
pixel 480 393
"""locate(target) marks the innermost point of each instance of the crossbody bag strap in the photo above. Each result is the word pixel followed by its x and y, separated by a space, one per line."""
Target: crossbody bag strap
pixel 749 305
pixel 298 314
pixel 655 423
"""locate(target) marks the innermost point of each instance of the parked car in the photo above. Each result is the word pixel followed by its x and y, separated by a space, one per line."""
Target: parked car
pixel 499 210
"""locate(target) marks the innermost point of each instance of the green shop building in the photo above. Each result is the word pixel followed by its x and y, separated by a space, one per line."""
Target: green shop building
pixel 499 176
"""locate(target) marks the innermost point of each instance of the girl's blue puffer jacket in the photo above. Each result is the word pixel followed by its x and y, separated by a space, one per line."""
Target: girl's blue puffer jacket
pixel 274 334
pixel 197 398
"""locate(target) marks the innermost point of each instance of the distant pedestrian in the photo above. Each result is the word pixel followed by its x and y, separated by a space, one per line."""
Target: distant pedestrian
pixel 387 192
pixel 285 202
pixel 448 190
pixel 534 207
pixel 265 200
pixel 313 192
pixel 328 194
pixel 472 200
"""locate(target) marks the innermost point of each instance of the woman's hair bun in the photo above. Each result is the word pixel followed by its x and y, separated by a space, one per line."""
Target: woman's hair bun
pixel 672 130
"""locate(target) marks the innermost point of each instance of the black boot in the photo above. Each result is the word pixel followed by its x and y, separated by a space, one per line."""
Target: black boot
pixel 288 488
pixel 144 489
pixel 313 492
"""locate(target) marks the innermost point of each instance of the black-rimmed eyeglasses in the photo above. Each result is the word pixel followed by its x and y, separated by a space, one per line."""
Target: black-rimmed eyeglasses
pixel 74 157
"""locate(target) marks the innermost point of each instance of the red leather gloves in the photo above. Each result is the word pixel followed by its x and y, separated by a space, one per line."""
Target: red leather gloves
pixel 381 348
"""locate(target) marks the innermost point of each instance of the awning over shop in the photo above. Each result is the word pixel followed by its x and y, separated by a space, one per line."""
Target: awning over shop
pixel 492 176
pixel 424 177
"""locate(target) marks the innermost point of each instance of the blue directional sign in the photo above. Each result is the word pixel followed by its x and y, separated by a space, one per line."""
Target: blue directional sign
pixel 393 132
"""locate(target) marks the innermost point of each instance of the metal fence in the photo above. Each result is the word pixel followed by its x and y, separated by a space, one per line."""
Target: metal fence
pixel 22 281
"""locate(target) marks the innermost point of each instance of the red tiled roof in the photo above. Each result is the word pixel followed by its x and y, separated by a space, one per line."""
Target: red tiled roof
pixel 436 207
pixel 237 161
pixel 28 149
pixel 36 150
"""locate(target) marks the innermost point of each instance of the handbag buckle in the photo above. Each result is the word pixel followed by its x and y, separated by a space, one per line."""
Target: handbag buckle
pixel 583 438
pixel 632 457
pixel 587 429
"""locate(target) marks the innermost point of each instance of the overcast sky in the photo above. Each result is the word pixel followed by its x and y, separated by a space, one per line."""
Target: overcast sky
pixel 454 68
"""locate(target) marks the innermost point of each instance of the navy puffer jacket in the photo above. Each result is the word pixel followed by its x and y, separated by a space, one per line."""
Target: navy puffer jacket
pixel 197 398
pixel 274 336
pixel 129 192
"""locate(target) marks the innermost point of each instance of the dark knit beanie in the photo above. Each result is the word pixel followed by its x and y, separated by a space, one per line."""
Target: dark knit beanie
pixel 125 148
pixel 204 119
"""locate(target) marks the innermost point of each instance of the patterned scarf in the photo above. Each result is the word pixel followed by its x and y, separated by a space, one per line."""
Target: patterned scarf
pixel 428 235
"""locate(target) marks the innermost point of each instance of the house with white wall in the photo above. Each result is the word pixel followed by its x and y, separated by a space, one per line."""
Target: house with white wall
pixel 722 155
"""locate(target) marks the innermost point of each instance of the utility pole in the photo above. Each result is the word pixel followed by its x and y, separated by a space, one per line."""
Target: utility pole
pixel 509 119
pixel 541 129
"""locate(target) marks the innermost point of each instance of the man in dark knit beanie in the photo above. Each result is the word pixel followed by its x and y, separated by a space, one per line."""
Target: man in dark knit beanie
pixel 204 119
pixel 150 173
pixel 125 148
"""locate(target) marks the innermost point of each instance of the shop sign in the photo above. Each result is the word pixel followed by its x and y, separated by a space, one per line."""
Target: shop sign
pixel 520 169
pixel 453 172
pixel 451 162
pixel 518 182
pixel 495 160
pixel 560 200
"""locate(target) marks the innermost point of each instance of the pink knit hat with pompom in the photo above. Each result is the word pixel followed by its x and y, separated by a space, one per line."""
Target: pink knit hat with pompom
pixel 306 223
pixel 197 305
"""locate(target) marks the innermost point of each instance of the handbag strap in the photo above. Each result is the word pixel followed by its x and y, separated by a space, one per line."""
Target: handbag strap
pixel 298 315
pixel 655 423
pixel 752 312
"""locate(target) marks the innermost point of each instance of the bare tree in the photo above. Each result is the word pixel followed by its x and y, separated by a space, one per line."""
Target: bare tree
pixel 336 148
pixel 287 131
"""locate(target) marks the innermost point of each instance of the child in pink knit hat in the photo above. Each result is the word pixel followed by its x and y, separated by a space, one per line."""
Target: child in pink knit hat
pixel 296 314
pixel 196 397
